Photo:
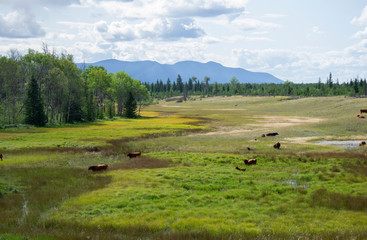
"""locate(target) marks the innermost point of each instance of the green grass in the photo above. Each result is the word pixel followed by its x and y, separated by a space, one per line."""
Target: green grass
pixel 185 186
pixel 204 193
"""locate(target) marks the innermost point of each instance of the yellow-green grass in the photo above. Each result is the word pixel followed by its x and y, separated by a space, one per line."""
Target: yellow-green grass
pixel 94 134
pixel 205 193
pixel 301 190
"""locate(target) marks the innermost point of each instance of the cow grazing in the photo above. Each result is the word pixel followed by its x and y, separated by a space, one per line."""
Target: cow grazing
pixel 363 111
pixel 360 116
pixel 1 156
pixel 250 161
pixel 250 149
pixel 272 134
pixel 98 167
pixel 134 154
pixel 262 135
pixel 277 145
pixel 362 143
pixel 241 169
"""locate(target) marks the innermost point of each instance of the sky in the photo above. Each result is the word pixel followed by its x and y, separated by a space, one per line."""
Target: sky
pixel 295 40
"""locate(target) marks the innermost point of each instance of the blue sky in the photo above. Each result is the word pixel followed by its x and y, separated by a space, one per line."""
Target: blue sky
pixel 295 40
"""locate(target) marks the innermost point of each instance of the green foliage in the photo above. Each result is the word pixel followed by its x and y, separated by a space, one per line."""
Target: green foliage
pixel 130 106
pixel 33 105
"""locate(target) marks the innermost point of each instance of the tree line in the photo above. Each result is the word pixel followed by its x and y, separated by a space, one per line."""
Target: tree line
pixel 45 87
pixel 161 90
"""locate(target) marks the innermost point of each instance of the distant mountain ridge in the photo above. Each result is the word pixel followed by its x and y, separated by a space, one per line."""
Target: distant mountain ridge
pixel 150 71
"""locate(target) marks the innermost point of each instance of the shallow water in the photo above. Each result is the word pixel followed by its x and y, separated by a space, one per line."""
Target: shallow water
pixel 348 144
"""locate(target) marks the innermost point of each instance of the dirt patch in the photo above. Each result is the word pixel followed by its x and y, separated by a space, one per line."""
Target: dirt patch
pixel 299 140
pixel 142 162
pixel 282 121
pixel 226 131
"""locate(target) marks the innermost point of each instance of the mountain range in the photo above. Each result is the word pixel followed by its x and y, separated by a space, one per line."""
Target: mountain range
pixel 150 71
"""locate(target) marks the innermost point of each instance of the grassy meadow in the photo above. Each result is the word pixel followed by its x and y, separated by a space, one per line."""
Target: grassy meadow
pixel 185 185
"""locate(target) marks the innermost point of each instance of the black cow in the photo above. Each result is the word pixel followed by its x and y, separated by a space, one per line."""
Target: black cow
pixel 250 161
pixel 134 154
pixel 277 145
pixel 98 167
pixel 272 134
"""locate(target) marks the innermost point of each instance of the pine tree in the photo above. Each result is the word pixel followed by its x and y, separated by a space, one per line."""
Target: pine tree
pixel 34 113
pixel 130 106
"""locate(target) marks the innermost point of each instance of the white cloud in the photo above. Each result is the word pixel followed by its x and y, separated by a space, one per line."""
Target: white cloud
pixel 167 8
pixel 248 24
pixel 20 24
pixel 362 20
pixel 317 30
pixel 159 28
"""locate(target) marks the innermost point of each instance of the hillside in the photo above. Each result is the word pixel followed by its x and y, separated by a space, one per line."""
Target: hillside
pixel 150 71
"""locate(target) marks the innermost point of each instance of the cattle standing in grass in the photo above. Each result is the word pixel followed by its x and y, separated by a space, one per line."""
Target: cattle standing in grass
pixel 250 149
pixel 362 143
pixel 134 154
pixel 360 116
pixel 98 167
pixel 272 134
pixel 277 145
pixel 1 156
pixel 241 169
pixel 363 111
pixel 250 161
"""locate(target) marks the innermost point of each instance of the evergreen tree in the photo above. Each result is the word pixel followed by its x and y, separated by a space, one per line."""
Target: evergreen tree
pixel 130 106
pixel 34 113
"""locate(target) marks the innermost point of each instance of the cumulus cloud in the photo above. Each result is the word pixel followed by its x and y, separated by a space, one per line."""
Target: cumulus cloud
pixel 295 65
pixel 168 8
pixel 159 51
pixel 362 20
pixel 159 28
pixel 26 3
pixel 20 24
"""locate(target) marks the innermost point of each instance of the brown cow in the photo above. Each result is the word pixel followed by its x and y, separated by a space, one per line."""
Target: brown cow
pixel 1 156
pixel 241 169
pixel 362 143
pixel 360 116
pixel 250 161
pixel 277 145
pixel 98 167
pixel 363 111
pixel 133 154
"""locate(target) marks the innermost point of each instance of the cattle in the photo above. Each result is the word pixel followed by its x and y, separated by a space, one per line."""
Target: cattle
pixel 133 154
pixel 362 143
pixel 272 134
pixel 262 135
pixel 363 111
pixel 250 149
pixel 98 167
pixel 277 145
pixel 241 169
pixel 250 161
pixel 1 156
pixel 360 116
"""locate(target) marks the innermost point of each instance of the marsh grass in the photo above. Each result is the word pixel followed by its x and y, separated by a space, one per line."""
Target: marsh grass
pixel 185 186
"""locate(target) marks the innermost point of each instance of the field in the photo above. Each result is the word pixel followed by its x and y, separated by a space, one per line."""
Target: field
pixel 185 185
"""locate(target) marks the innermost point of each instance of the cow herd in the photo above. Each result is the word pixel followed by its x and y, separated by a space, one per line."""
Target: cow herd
pixel 101 167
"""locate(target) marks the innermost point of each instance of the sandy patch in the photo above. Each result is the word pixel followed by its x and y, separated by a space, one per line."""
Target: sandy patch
pixel 282 121
pixel 299 140
pixel 224 132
